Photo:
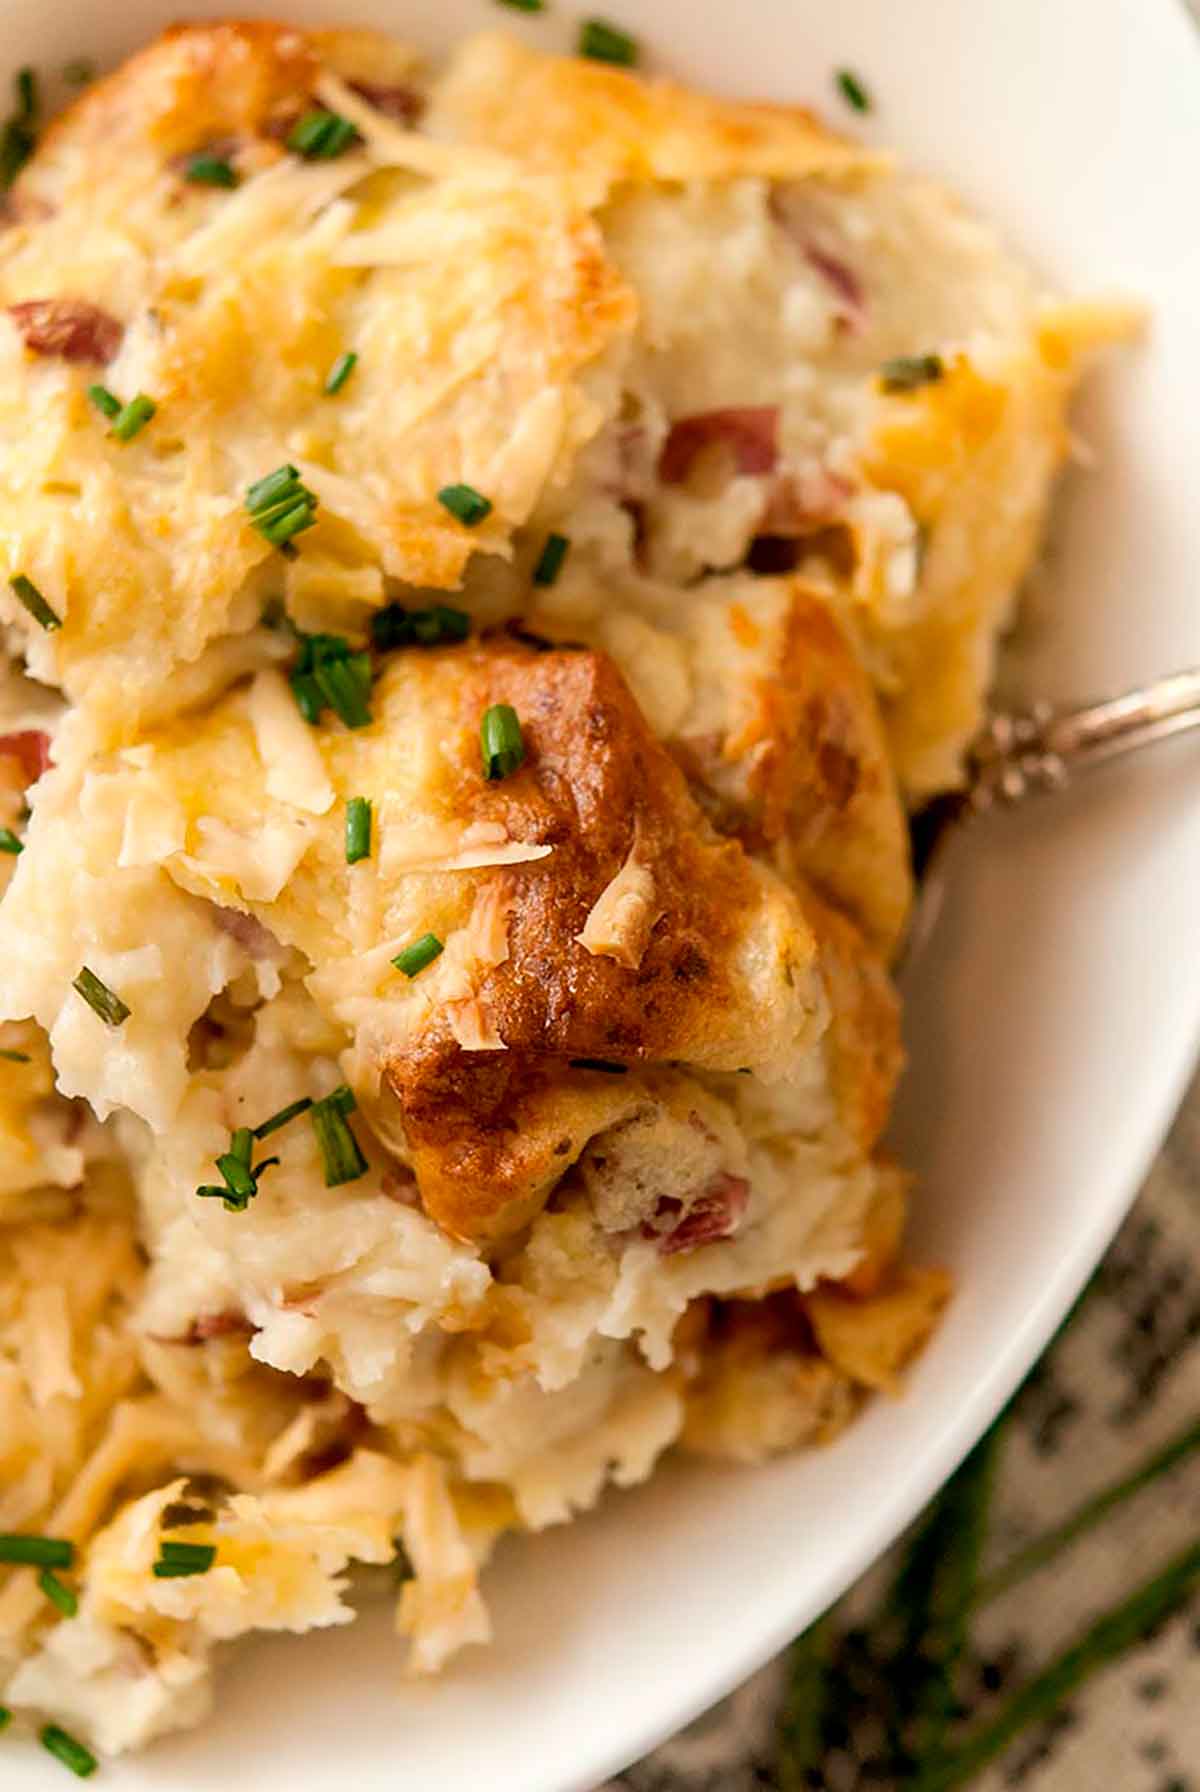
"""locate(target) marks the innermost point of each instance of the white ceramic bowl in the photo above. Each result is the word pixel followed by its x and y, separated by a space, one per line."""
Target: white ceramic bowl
pixel 1052 1025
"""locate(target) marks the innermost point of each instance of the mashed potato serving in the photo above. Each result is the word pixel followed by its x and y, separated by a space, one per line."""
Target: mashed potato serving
pixel 490 554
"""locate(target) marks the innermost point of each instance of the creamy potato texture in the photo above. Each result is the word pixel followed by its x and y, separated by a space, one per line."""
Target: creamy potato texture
pixel 385 1200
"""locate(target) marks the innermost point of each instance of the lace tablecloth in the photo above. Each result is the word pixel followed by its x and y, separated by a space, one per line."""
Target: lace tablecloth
pixel 1121 1380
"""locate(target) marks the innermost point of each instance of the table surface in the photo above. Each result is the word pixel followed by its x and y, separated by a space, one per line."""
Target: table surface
pixel 1122 1377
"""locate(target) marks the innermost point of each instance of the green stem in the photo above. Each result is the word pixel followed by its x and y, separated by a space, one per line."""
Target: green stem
pixel 1107 1638
pixel 1086 1516
pixel 799 1746
pixel 931 1599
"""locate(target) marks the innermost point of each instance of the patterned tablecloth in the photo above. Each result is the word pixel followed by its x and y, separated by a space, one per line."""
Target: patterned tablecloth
pixel 1121 1380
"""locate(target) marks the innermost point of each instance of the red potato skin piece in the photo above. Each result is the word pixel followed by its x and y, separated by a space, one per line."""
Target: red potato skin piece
pixel 67 329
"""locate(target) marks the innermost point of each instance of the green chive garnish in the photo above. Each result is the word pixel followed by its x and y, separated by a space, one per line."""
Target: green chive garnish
pixel 280 506
pixel 177 1561
pixel 72 1754
pixel 500 741
pixel 5 1717
pixel 422 952
pixel 241 1176
pixel 907 372
pixel 465 503
pixel 58 1593
pixel 267 491
pixel 15 1058
pixel 133 417
pixel 238 1175
pixel 605 1065
pixel 105 401
pixel 294 1108
pixel 27 593
pixel 343 1160
pixel 525 5
pixel 10 843
pixel 39 1552
pixel 79 73
pixel 394 626
pixel 330 673
pixel 210 171
pixel 321 135
pixel 19 140
pixel 340 372
pixel 358 829
pixel 852 90
pixel 100 999
pixel 606 43
pixel 550 560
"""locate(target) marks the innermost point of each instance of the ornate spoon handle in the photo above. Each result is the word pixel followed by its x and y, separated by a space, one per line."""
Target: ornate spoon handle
pixel 1022 754
pixel 1040 749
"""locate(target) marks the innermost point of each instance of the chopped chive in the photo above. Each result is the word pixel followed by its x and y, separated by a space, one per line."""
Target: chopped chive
pixel 358 829
pixel 17 144
pixel 906 372
pixel 465 503
pixel 525 5
pixel 5 1717
pixel 19 139
pixel 72 1754
pixel 344 684
pixel 500 741
pixel 422 952
pixel 343 1160
pixel 264 492
pixel 852 90
pixel 550 560
pixel 394 626
pixel 79 72
pixel 340 372
pixel 27 593
pixel 604 1064
pixel 242 1145
pixel 105 401
pixel 210 171
pixel 266 1127
pixel 606 43
pixel 308 697
pixel 38 1552
pixel 179 1560
pixel 58 1593
pixel 133 417
pixel 280 506
pixel 321 135
pixel 15 1058
pixel 438 625
pixel 238 1175
pixel 100 999
pixel 10 843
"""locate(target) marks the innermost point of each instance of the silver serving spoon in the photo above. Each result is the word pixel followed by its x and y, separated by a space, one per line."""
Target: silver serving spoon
pixel 1027 753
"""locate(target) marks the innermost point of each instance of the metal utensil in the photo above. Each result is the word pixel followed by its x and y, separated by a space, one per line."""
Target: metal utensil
pixel 1021 754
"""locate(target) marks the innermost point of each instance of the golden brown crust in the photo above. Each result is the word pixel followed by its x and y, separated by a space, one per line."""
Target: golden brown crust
pixel 822 796
pixel 872 1340
pixel 608 125
pixel 594 777
pixel 864 1046
pixel 193 84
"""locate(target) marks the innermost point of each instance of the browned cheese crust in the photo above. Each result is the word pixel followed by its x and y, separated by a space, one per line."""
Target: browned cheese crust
pixel 594 782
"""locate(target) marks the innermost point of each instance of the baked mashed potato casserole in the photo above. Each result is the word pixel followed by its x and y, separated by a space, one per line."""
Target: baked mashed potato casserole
pixel 491 552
